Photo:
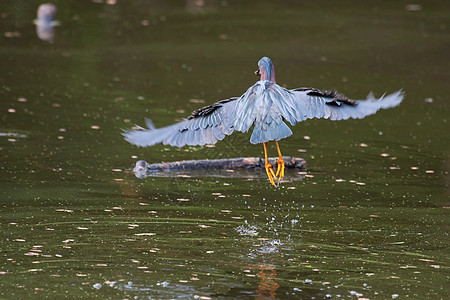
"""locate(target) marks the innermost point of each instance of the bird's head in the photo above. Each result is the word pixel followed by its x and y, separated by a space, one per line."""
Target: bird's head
pixel 266 70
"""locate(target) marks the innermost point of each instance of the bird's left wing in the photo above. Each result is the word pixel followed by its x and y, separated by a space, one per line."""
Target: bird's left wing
pixel 206 125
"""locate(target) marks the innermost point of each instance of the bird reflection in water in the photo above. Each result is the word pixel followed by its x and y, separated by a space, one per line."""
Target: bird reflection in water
pixel 267 286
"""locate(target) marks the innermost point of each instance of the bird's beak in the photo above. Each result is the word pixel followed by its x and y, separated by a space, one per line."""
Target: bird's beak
pixel 258 72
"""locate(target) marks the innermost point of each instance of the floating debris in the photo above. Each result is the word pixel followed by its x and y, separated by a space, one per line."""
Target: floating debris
pixel 97 286
pixel 413 7
pixel 435 266
pixel 145 234
pixel 12 34
pixel 35 270
pixel 426 259
pixel 183 176
pixel 196 100
pixel 13 134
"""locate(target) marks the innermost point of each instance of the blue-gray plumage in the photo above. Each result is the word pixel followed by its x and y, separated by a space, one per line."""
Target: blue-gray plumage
pixel 266 106
pixel 45 22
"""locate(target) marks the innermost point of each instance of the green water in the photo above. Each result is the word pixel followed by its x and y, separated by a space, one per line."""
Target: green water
pixel 370 219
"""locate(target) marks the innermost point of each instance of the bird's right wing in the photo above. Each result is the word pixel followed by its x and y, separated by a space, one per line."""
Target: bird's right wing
pixel 206 125
pixel 307 103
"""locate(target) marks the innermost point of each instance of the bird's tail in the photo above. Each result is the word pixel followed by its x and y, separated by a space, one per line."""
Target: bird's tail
pixel 273 132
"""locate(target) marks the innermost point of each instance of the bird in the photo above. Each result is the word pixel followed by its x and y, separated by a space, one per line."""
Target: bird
pixel 265 106
pixel 45 22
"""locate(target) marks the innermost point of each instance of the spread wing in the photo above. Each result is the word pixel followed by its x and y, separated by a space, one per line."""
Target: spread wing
pixel 206 125
pixel 306 103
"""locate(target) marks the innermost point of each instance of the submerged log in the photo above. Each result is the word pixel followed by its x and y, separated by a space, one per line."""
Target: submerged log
pixel 143 169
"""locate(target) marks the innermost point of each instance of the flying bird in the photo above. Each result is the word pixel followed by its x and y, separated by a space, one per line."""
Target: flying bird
pixel 267 107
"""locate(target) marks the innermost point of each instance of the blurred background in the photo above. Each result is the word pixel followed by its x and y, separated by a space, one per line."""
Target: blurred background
pixel 369 219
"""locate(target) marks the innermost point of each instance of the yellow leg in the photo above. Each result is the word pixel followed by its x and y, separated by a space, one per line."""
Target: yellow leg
pixel 280 161
pixel 269 170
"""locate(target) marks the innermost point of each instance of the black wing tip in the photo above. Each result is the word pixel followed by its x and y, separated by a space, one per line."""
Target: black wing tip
pixel 208 109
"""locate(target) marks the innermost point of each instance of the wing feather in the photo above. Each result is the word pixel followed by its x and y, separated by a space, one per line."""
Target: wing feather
pixel 204 126
pixel 334 106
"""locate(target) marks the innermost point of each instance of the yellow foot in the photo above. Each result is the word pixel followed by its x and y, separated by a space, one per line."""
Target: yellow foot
pixel 280 169
pixel 270 173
